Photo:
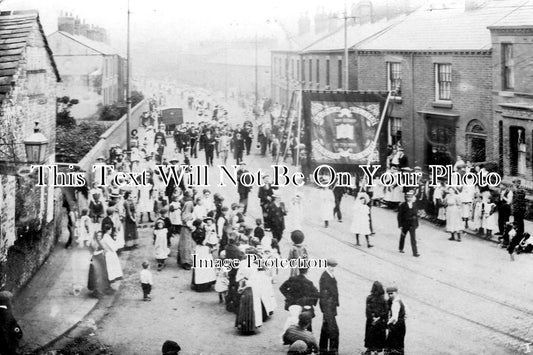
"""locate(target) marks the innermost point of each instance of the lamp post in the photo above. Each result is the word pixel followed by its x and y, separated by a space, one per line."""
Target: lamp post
pixel 35 147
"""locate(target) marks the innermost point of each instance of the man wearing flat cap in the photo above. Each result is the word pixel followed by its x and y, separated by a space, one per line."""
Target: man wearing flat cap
pixel 329 301
pixel 408 221
pixel 10 331
pixel 396 323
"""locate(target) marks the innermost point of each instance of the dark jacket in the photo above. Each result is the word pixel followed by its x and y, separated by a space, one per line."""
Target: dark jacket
pixel 329 294
pixel 10 333
pixel 265 194
pixel 407 217
pixel 299 290
pixel 276 216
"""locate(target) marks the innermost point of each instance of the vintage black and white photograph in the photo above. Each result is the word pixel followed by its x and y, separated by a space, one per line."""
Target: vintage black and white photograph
pixel 219 177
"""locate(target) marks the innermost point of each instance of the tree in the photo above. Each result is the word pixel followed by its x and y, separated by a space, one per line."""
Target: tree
pixel 63 117
pixel 112 112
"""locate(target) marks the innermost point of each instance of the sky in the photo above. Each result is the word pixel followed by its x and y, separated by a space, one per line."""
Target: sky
pixel 177 21
pixel 162 29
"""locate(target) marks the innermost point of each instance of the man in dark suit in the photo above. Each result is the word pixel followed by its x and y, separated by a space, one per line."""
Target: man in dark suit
pixel 242 189
pixel 329 301
pixel 265 197
pixel 408 221
pixel 276 217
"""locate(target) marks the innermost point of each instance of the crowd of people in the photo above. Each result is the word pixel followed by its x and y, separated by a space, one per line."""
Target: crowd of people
pixel 200 226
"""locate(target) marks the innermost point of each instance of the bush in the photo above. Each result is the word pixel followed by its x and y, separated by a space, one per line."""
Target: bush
pixel 136 97
pixel 63 117
pixel 113 112
pixel 73 143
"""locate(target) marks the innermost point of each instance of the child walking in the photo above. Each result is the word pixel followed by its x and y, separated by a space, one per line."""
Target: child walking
pixel 160 244
pixel 146 281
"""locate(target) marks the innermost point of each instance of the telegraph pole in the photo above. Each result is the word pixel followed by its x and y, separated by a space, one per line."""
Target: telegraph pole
pixel 256 78
pixel 345 17
pixel 128 86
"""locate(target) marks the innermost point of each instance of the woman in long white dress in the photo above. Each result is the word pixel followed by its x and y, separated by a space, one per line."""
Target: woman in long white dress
pixel 145 203
pixel 114 269
pixel 296 212
pixel 327 204
pixel 361 220
pixel 454 220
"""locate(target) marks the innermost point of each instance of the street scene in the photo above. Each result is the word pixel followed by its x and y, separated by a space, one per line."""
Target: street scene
pixel 303 177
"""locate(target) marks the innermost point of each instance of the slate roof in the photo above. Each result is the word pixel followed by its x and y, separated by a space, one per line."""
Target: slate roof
pixel 522 16
pixel 356 34
pixel 99 47
pixel 15 27
pixel 451 29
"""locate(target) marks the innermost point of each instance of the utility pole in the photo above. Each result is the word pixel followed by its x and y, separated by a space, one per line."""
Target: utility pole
pixel 128 86
pixel 256 78
pixel 345 17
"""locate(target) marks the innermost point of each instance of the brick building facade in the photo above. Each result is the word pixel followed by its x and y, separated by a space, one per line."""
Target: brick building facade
pixel 512 95
pixel 434 125
pixel 446 74
pixel 28 81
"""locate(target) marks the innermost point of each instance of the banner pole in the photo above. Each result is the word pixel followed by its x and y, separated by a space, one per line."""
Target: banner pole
pixel 299 128
pixel 286 125
pixel 382 118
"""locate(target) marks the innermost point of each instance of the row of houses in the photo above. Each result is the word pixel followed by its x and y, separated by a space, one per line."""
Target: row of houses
pixel 461 79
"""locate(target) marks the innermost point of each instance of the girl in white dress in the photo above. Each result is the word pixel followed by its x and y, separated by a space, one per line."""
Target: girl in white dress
pixel 160 244
pixel 490 219
pixel 296 212
pixel 83 227
pixel 361 220
pixel 477 214
pixel 327 204
pixel 119 229
pixel 454 221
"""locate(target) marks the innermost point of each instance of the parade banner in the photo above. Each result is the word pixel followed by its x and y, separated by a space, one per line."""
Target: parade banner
pixel 344 127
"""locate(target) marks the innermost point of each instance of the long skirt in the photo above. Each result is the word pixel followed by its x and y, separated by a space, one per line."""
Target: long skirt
pixel 233 296
pixel 200 287
pixel 375 335
pixel 454 221
pixel 130 233
pixel 246 317
pixel 186 247
pixel 98 281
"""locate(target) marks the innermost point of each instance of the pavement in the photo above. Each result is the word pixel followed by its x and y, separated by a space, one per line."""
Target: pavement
pixel 55 299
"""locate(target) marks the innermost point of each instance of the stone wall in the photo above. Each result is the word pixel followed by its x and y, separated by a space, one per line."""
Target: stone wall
pixel 26 211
